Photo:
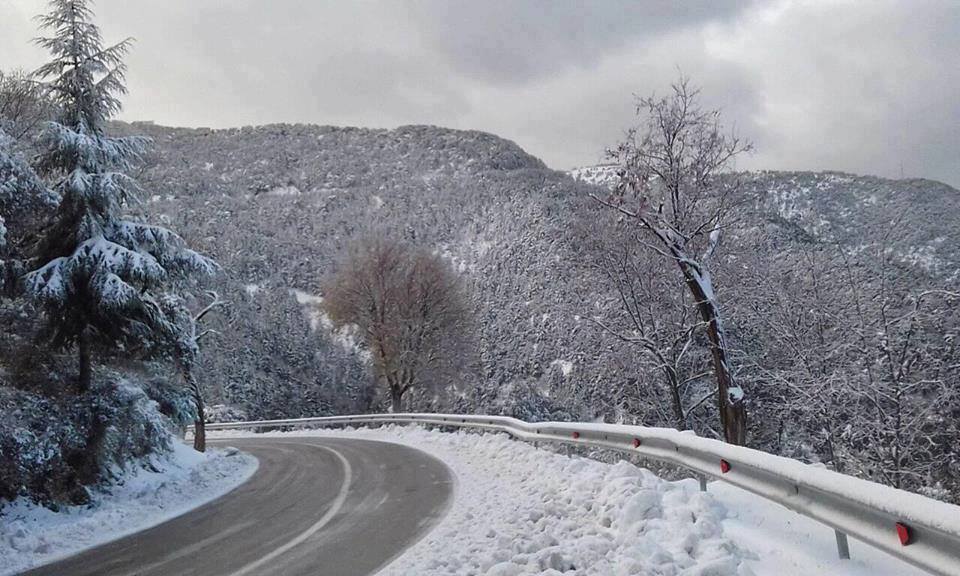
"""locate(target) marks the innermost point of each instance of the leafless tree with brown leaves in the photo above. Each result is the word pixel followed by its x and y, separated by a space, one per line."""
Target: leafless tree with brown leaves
pixel 669 186
pixel 410 309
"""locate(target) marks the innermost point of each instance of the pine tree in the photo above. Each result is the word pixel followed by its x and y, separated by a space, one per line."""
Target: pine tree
pixel 97 276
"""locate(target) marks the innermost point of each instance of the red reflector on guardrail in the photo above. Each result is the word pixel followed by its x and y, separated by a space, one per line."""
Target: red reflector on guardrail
pixel 636 442
pixel 724 466
pixel 903 532
pixel 576 435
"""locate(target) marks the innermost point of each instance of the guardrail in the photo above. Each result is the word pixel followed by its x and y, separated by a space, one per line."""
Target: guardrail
pixel 919 530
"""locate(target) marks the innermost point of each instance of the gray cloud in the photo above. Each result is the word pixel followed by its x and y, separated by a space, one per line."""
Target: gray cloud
pixel 509 41
pixel 862 87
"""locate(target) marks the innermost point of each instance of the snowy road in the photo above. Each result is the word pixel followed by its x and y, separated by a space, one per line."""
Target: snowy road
pixel 337 507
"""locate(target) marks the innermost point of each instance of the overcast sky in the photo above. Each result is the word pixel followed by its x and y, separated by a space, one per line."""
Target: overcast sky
pixel 865 87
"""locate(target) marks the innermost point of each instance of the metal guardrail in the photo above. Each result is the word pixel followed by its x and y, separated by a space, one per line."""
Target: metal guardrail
pixel 919 530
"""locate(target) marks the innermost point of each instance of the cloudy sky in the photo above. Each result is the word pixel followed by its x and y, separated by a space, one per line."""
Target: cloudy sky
pixel 869 86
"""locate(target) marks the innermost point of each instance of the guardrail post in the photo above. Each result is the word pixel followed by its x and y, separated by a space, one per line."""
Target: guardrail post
pixel 843 547
pixel 703 482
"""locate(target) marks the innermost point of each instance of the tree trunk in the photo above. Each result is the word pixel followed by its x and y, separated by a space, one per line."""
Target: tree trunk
pixel 200 432
pixel 86 370
pixel 396 397
pixel 90 466
pixel 673 381
pixel 733 414
pixel 200 424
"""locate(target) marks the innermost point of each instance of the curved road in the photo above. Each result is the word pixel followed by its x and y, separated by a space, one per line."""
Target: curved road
pixel 329 506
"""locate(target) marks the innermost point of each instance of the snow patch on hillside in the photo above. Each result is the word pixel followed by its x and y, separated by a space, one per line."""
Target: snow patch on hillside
pixel 459 264
pixel 284 191
pixel 604 175
pixel 346 336
pixel 31 535
pixel 311 304
pixel 565 366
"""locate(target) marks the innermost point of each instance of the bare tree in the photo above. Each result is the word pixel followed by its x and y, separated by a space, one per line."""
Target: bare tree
pixel 905 345
pixel 24 105
pixel 184 348
pixel 669 186
pixel 652 312
pixel 860 368
pixel 410 310
pixel 188 365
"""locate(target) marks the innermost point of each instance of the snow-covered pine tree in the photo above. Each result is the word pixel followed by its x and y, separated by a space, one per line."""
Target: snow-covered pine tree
pixel 96 275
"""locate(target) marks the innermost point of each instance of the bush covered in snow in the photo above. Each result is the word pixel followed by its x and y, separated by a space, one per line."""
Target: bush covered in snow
pixel 224 413
pixel 51 448
pixel 175 483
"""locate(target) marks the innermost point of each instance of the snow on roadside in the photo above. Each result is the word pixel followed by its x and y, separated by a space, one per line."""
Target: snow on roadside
pixel 31 535
pixel 789 544
pixel 518 510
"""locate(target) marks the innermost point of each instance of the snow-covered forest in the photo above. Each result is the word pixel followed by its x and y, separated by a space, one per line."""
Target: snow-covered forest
pixel 153 276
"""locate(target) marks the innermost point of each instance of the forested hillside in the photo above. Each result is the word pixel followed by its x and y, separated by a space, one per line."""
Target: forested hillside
pixel 276 205
pixel 836 290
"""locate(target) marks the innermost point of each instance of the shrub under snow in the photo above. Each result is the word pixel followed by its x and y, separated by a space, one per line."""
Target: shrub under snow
pixel 179 481
pixel 51 449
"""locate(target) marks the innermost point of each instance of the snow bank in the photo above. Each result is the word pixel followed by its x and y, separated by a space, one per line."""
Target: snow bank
pixel 533 512
pixel 31 535
pixel 518 510
pixel 789 544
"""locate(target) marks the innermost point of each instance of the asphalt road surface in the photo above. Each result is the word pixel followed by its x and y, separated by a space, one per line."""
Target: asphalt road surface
pixel 316 506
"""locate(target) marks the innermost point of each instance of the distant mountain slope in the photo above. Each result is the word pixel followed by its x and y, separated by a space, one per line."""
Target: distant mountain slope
pixel 919 219
pixel 275 205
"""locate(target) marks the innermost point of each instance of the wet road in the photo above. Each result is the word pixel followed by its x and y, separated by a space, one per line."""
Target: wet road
pixel 315 506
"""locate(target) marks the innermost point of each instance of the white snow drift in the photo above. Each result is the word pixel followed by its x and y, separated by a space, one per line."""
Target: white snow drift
pixel 31 535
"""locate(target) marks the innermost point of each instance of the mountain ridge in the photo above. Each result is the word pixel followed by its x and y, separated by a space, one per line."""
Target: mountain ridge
pixel 276 205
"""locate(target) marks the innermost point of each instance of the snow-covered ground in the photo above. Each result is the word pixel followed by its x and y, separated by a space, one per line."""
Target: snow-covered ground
pixel 784 543
pixel 31 535
pixel 518 510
